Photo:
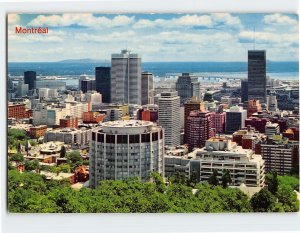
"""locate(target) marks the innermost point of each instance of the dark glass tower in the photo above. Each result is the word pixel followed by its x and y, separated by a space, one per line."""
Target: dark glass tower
pixel 244 90
pixel 30 79
pixel 257 80
pixel 103 83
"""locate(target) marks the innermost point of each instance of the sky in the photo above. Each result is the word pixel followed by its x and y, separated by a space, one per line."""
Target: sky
pixel 155 37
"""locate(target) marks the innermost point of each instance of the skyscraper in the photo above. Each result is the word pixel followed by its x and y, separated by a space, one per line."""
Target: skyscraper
pixel 244 90
pixel 103 83
pixel 169 118
pixel 147 88
pixel 199 129
pixel 187 86
pixel 257 80
pixel 30 79
pixel 86 84
pixel 126 78
pixel 191 105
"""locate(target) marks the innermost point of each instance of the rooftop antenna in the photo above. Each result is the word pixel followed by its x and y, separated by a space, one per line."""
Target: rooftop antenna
pixel 254 38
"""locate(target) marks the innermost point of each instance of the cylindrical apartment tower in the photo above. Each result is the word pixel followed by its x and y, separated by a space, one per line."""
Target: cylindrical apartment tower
pixel 122 149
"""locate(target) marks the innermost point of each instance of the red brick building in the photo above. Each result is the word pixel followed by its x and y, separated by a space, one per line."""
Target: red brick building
pixel 16 110
pixel 68 122
pixel 253 107
pixel 248 138
pixel 148 113
pixel 258 123
pixel 92 117
pixel 81 174
pixel 218 121
pixel 37 131
pixel 199 129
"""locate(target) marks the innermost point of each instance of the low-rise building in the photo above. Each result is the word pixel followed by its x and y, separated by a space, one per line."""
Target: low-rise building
pixel 69 136
pixel 37 131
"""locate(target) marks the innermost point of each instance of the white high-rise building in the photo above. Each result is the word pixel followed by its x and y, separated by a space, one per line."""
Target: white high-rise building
pixel 272 102
pixel 122 149
pixel 22 89
pixel 126 78
pixel 169 117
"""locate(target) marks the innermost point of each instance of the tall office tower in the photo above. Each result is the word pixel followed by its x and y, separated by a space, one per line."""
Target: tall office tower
pixel 244 90
pixel 187 86
pixel 147 88
pixel 126 78
pixel 86 84
pixel 122 149
pixel 257 80
pixel 235 119
pixel 199 129
pixel 103 83
pixel 22 89
pixel 30 79
pixel 191 105
pixel 169 118
pixel 272 102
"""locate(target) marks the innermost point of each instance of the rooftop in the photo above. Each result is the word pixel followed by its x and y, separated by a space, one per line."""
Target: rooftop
pixel 127 123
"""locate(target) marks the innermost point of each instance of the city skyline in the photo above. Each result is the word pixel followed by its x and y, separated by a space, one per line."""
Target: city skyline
pixel 156 37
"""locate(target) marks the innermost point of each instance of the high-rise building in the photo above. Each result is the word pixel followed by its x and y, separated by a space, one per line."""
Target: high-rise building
pixel 169 118
pixel 244 90
pixel 218 122
pixel 103 83
pixel 147 88
pixel 235 119
pixel 122 149
pixel 253 107
pixel 191 105
pixel 30 79
pixel 126 78
pixel 22 89
pixel 187 86
pixel 86 84
pixel 257 80
pixel 272 102
pixel 199 129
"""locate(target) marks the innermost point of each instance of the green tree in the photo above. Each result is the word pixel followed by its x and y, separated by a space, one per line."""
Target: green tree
pixel 272 182
pixel 159 182
pixel 31 165
pixel 213 179
pixel 288 198
pixel 65 168
pixel 226 179
pixel 291 181
pixel 193 179
pixel 17 157
pixel 263 201
pixel 74 159
pixel 178 178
